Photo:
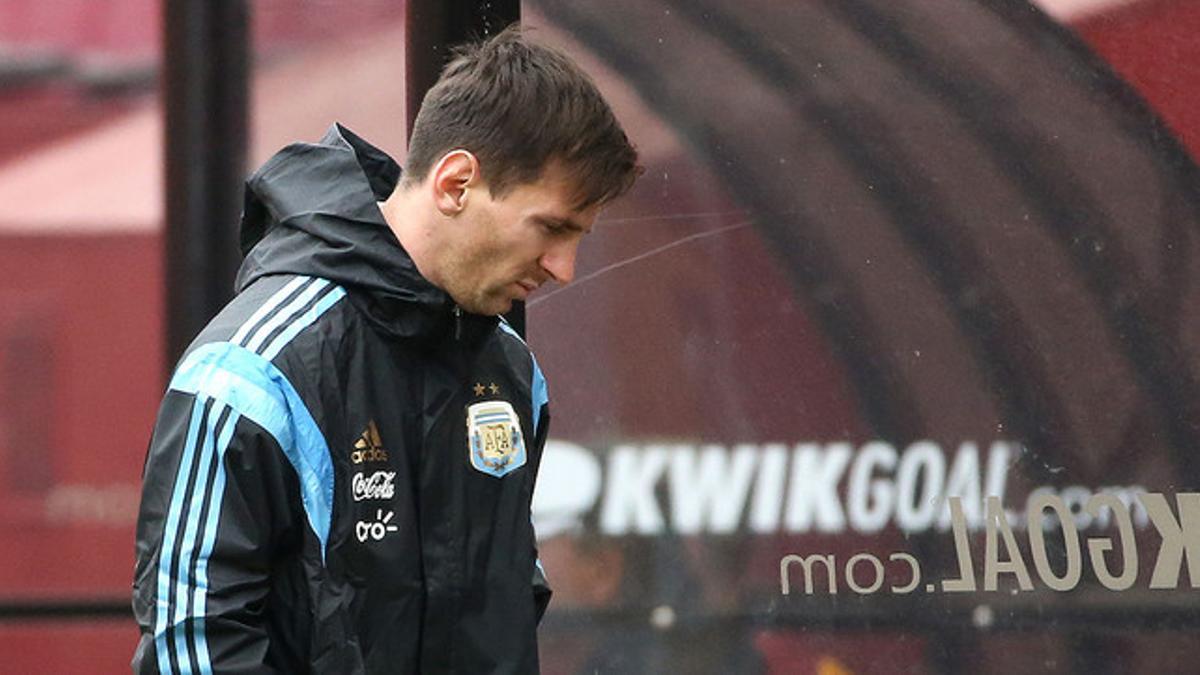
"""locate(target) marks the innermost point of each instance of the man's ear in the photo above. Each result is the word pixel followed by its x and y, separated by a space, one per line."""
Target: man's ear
pixel 453 176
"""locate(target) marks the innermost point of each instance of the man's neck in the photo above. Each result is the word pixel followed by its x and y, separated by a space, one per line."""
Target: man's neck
pixel 408 218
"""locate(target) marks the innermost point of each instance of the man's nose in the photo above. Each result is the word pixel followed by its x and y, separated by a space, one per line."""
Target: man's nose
pixel 559 261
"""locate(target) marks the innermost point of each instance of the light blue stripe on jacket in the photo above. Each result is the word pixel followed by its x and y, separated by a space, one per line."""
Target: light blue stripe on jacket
pixel 251 386
pixel 260 392
pixel 167 550
pixel 539 392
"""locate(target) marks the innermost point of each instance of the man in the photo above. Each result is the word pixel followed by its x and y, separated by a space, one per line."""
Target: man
pixel 340 476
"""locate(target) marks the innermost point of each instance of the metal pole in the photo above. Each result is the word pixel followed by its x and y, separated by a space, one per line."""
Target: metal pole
pixel 432 27
pixel 205 86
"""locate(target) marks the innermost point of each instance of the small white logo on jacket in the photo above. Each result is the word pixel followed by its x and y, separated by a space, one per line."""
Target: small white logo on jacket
pixel 376 530
pixel 379 485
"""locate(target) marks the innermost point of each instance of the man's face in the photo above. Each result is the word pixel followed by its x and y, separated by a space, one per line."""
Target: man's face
pixel 509 246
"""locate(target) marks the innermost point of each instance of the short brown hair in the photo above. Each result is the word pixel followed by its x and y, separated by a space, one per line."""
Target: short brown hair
pixel 517 106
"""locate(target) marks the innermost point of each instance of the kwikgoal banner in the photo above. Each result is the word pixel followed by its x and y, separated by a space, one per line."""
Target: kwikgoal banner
pixel 779 488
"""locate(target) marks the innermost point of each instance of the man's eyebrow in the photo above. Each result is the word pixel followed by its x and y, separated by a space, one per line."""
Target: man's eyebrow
pixel 562 222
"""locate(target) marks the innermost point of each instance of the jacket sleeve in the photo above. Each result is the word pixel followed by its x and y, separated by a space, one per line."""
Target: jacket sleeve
pixel 541 584
pixel 216 510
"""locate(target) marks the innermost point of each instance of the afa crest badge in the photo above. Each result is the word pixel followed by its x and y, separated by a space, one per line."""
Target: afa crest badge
pixel 497 446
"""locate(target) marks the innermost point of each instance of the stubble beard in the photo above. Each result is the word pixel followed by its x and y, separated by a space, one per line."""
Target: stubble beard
pixel 466 282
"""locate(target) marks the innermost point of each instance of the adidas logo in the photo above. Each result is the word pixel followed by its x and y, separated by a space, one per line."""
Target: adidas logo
pixel 368 447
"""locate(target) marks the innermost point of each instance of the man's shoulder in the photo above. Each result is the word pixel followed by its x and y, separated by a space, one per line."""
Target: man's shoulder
pixel 266 317
pixel 264 327
pixel 519 355
pixel 512 341
pixel 243 357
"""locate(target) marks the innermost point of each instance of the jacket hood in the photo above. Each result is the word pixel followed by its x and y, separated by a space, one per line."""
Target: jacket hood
pixel 312 209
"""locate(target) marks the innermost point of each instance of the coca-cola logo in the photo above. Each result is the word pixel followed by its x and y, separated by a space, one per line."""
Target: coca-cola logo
pixel 379 485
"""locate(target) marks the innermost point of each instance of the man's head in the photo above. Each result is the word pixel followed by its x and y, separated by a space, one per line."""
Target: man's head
pixel 512 155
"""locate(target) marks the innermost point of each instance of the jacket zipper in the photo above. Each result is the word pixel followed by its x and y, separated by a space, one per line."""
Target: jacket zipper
pixel 457 323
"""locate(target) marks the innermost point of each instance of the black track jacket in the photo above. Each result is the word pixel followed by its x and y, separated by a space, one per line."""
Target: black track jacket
pixel 340 476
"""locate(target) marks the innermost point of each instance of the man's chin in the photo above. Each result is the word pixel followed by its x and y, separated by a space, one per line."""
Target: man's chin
pixel 508 305
pixel 488 306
